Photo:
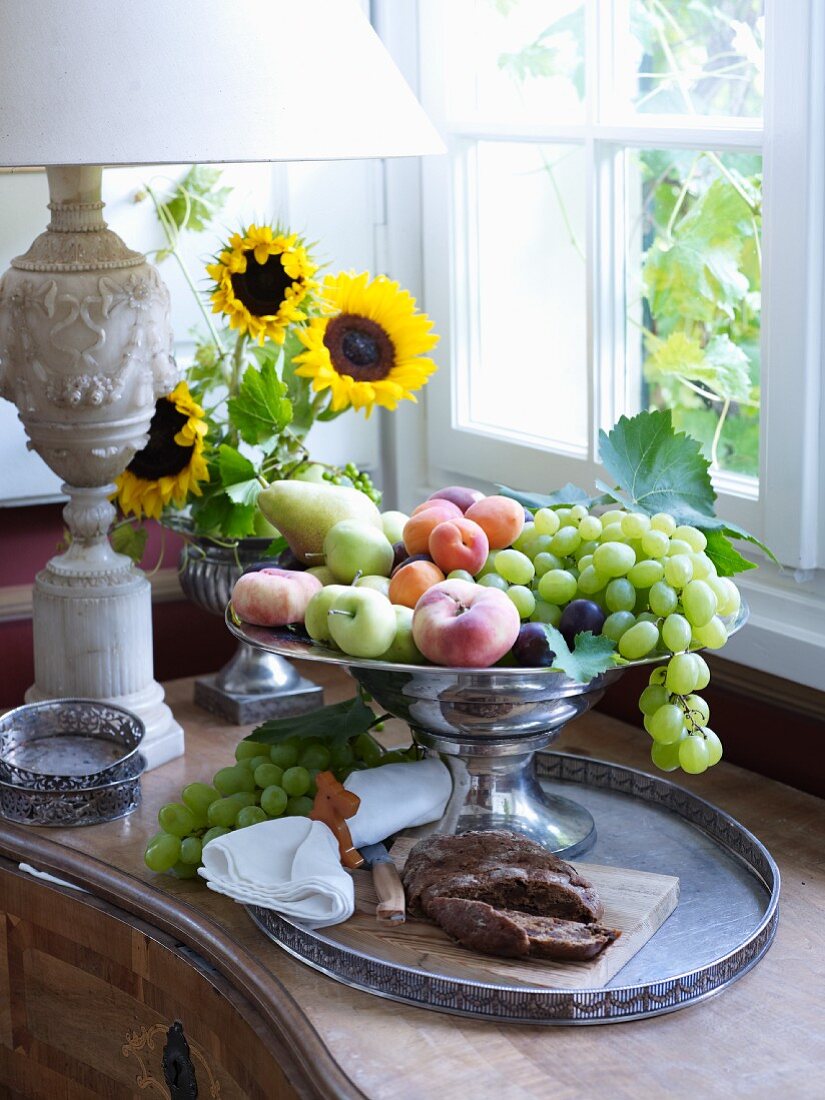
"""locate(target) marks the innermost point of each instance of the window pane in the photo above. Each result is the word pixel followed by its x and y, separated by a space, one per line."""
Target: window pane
pixel 511 60
pixel 694 279
pixel 527 362
pixel 697 58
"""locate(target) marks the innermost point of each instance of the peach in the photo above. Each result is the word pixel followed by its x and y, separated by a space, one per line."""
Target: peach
pixel 411 581
pixel 461 625
pixel 459 544
pixel 418 527
pixel 501 518
pixel 274 597
pixel 458 494
pixel 447 506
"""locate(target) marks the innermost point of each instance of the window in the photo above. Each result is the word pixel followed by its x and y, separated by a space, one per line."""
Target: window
pixel 621 175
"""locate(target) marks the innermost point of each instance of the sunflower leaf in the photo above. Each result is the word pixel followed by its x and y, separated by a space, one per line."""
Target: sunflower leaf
pixel 197 200
pixel 261 409
pixel 219 515
pixel 129 540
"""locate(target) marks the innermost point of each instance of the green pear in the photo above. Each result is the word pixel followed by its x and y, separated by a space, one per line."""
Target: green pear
pixel 304 512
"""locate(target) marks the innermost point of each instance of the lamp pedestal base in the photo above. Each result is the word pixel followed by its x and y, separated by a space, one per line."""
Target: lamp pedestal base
pixel 93 627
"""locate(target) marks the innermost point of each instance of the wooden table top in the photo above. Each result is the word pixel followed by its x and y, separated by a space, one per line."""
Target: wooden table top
pixel 761 1037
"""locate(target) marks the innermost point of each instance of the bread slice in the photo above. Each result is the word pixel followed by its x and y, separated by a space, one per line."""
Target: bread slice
pixel 511 934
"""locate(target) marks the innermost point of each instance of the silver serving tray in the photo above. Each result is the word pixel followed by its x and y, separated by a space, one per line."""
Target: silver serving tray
pixel 66 808
pixel 723 925
pixel 69 745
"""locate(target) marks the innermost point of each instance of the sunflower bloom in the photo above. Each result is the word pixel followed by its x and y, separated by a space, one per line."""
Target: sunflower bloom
pixel 369 347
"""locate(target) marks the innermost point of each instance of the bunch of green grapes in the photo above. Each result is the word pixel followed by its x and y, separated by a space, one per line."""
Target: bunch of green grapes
pixel 265 782
pixel 646 583
pixel 357 479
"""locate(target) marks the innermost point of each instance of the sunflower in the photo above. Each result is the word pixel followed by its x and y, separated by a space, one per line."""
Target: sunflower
pixel 369 347
pixel 171 465
pixel 261 281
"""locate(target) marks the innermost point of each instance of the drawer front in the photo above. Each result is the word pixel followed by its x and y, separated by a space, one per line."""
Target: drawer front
pixel 87 999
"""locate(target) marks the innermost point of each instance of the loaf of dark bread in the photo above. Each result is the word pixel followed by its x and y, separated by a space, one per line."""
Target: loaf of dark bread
pixel 513 935
pixel 505 870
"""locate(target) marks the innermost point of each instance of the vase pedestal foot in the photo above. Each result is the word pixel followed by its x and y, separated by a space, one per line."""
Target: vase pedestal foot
pixel 255 686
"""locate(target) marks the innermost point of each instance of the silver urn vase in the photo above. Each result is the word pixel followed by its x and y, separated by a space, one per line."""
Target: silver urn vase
pixel 254 685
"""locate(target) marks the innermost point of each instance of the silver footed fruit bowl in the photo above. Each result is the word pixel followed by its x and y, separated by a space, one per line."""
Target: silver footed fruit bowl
pixel 486 723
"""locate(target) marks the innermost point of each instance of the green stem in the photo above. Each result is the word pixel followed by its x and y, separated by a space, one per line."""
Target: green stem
pixel 681 197
pixel 714 458
pixel 548 167
pixel 237 364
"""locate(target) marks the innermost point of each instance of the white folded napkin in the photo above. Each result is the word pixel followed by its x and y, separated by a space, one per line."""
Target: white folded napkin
pixel 397 796
pixel 290 864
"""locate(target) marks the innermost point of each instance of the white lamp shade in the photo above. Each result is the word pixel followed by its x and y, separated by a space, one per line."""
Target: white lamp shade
pixel 172 81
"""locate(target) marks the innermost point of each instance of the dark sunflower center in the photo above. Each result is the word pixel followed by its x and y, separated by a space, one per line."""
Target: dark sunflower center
pixel 359 347
pixel 162 456
pixel 262 287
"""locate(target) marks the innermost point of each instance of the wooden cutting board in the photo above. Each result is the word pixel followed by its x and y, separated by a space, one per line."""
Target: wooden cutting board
pixel 636 902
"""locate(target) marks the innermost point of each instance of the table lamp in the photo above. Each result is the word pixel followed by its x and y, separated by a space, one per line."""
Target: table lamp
pixel 85 340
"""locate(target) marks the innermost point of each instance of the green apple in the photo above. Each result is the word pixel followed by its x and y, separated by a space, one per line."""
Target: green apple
pixel 316 618
pixel 353 547
pixel 362 622
pixel 380 584
pixel 323 573
pixel 393 524
pixel 403 649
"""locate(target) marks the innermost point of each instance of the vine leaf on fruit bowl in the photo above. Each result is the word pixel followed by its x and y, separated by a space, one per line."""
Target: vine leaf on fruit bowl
pixel 336 723
pixel 724 555
pixel 592 654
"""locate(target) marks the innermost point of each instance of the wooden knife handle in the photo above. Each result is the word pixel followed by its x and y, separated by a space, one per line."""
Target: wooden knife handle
pixel 392 904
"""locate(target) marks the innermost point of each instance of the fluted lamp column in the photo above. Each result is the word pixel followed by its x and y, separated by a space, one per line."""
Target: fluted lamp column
pixel 85 342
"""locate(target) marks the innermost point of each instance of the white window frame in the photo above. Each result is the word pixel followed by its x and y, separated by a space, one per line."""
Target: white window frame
pixel 786 634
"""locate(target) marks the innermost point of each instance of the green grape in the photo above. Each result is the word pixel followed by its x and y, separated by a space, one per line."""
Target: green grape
pixel 315 757
pixel 653 697
pixel 245 750
pixel 296 781
pixel 663 522
pixel 647 617
pixel 565 541
pixel 620 595
pixel 546 521
pixel 493 580
pixel 461 575
pixel 213 834
pixel 655 544
pixel 682 673
pixel 634 524
pixel 583 550
pixel 678 570
pixel 531 543
pixel 665 757
pixel 658 675
pixel 646 723
pixel 267 774
pixel 190 850
pixel 617 624
pixel 692 536
pixel 274 800
pixel 676 633
pixel 223 812
pixel 524 600
pixel 546 613
pixel 234 779
pixel 578 512
pixel 713 745
pixel 162 852
pixel 395 756
pixel 515 567
pixel 693 754
pixel 612 532
pixel 184 870
pixel 558 586
pixel 713 634
pixel 198 797
pixel 250 815
pixel 489 566
pixel 615 515
pixel 583 561
pixel 703 567
pixel 591 581
pixel 545 561
pixel 727 595
pixel 703 672
pixel 300 806
pixel 590 527
pixel 177 819
pixel 662 599
pixel 614 559
pixel 256 761
pixel 639 640
pixel 667 724
pixel 284 754
pixel 342 754
pixel 699 603
pixel 368 749
pixel 679 546
pixel 646 573
pixel 698 710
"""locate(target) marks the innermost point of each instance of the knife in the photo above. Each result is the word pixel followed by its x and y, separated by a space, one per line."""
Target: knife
pixel 387 881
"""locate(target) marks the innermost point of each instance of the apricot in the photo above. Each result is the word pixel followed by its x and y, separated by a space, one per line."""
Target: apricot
pixel 411 581
pixel 445 505
pixel 501 519
pixel 459 544
pixel 418 527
